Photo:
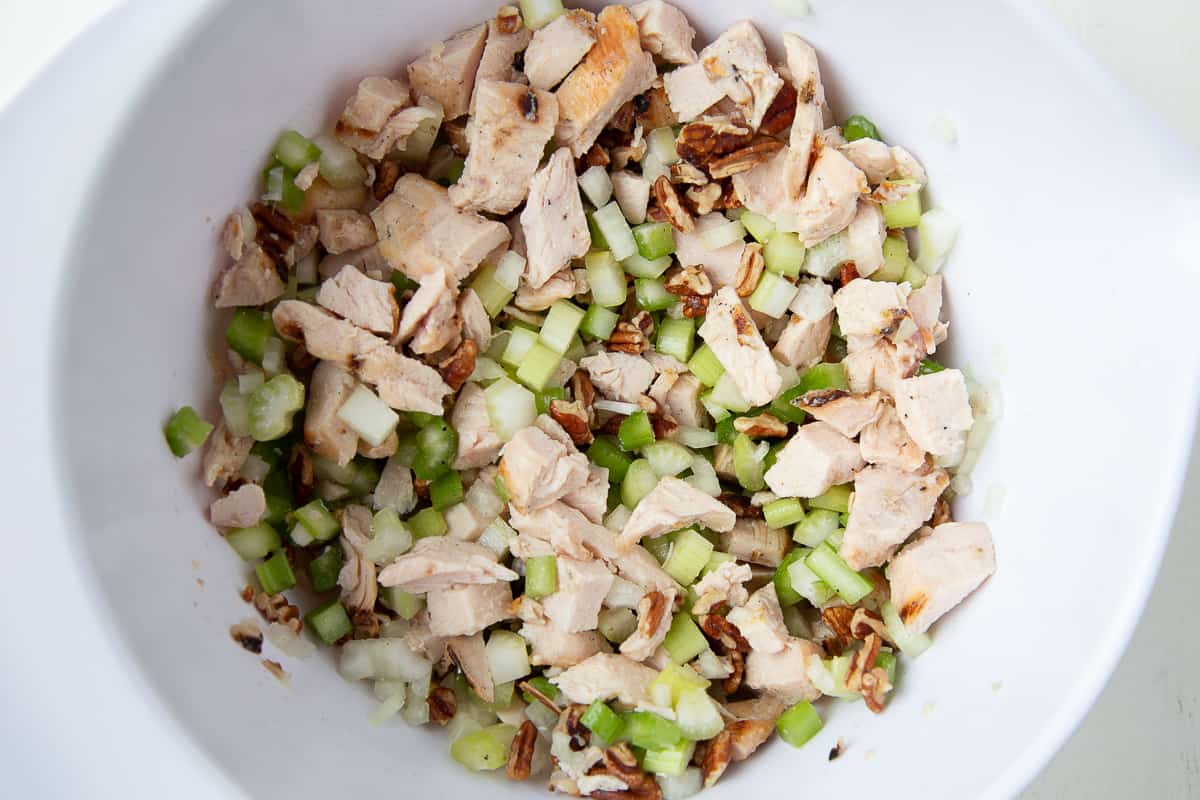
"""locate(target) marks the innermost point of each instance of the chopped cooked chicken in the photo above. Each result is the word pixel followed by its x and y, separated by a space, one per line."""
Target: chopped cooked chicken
pixel 803 342
pixel 734 338
pixel 478 444
pixel 768 188
pixel 561 285
pixel 552 647
pixel 722 586
pixel 872 156
pixel 368 303
pixel 721 265
pixel 783 673
pixel 805 71
pixel 766 707
pixel 466 610
pixel 613 72
pixel 606 676
pixel 830 200
pixel 690 92
pixel 357 578
pixel 379 116
pixel 925 306
pixel 872 368
pixel 865 236
pixel 582 586
pixel 760 621
pixel 420 231
pixel 477 325
pixel 679 395
pixel 241 508
pixel 558 47
pixel 447 72
pixel 846 413
pixel 252 280
pixel 429 315
pixel 464 523
pixel 507 37
pixel 344 229
pixel 224 456
pixel 470 656
pixel 871 308
pixel 395 488
pixel 736 62
pixel 538 470
pixel 565 530
pixel 592 498
pixel 754 541
pixel 507 135
pixel 815 459
pixel 888 506
pixel 403 383
pixel 438 562
pixel 935 410
pixel 632 193
pixel 654 620
pixel 664 31
pixel 553 222
pixel 885 441
pixel 619 376
pixel 324 430
pixel 671 505
pixel 936 572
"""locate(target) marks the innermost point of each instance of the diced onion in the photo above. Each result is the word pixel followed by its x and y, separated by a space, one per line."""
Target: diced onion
pixel 704 476
pixel 510 406
pixel 368 416
pixel 596 185
pixel 617 518
pixel 288 642
pixel 615 406
pixel 936 234
pixel 387 659
pixel 339 165
pixel 539 13
pixel 660 144
pixel 824 259
pixel 681 787
pixel 254 469
pixel 667 457
pixel 724 235
pixel 507 656
pixel 910 643
pixel 696 438
pixel 509 269
pixel 482 496
pixel 391 706
pixel 420 141
pixel 711 666
pixel 390 538
pixel 624 594
pixel 653 168
pixel 496 537
pixel 616 624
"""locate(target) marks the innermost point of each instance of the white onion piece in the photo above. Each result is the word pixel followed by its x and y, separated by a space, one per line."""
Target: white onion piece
pixel 704 477
pixel 496 537
pixel 486 370
pixel 288 642
pixel 507 656
pixel 387 659
pixel 482 496
pixel 936 234
pixel 712 667
pixel 509 269
pixel 596 185
pixel 254 469
pixel 615 406
pixel 724 235
pixel 624 594
pixel 510 408
pixel 617 518
pixel 696 438
pixel 368 416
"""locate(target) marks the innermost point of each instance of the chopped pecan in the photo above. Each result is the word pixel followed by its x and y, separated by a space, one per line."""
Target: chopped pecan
pixel 686 172
pixel 300 473
pixel 459 365
pixel 740 505
pixel 729 196
pixel 644 323
pixel 583 393
pixel 750 269
pixel 508 20
pixel 865 622
pixel 276 669
pixel 712 137
pixel 694 306
pixel 570 722
pixel 838 619
pixel 247 593
pixel 724 633
pixel 628 338
pixel 862 661
pixel 520 754
pixel 663 427
pixel 875 686
pixel 846 273
pixel 837 750
pixel 623 119
pixel 597 156
pixel 704 199
pixel 684 281
pixel 941 513
pixel 653 108
pixel 276 608
pixel 442 705
pixel 668 200
pixel 781 112
pixel 276 234
pixel 620 762
pixel 731 683
pixel 655 214
pixel 366 623
pixel 748 735
pixel 717 757
pixel 300 360
pixel 623 155
pixel 763 425
pixel 456 135
pixel 386 175
pixel 248 635
pixel 574 419
pixel 745 158
pixel 612 425
pixel 421 488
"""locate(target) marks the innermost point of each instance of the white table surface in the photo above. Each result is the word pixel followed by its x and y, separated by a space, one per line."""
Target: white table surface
pixel 1142 738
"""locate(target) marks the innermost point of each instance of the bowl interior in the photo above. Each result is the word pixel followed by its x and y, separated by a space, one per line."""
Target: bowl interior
pixel 1038 302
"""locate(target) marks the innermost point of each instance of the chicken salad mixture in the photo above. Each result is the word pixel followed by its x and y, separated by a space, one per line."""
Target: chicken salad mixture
pixel 581 386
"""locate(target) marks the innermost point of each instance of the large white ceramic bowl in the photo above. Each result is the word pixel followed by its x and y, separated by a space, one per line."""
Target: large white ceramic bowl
pixel 1072 287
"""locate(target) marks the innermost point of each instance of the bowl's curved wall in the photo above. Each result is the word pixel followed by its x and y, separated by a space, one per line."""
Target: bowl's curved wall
pixel 1040 301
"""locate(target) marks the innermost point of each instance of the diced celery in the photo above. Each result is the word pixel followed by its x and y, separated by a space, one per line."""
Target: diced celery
pixel 787 595
pixel 636 431
pixel 494 295
pixel 275 574
pixel 783 253
pixel 606 279
pixel 705 366
pixel 427 522
pixel 830 567
pixel 783 512
pixel 763 229
pixel 602 721
pixel 824 259
pixel 639 480
pixel 368 416
pixel 543 398
pixel 676 338
pixel 294 151
pixel 650 731
pixel 905 212
pixel 689 554
pixel 915 276
pixel 836 499
pixel 748 463
pixel 599 322
pixel 640 267
pixel 507 655
pixel 446 490
pixel 895 260
pixel 805 583
pixel 684 641
pixel 540 13
pixel 859 127
pixel 318 520
pixel 616 231
pixel 272 406
pixel 616 624
pixel 773 295
pixel 253 542
pixel 437 444
pixel 520 340
pixel 823 376
pixel 596 185
pixel 541 576
pixel 485 749
pixel 330 621
pixel 660 546
pixel 723 235
pixel 510 407
pixel 323 570
pixel 248 332
pixel 420 142
pixel 538 365
pixel 887 661
pixel 652 295
pixel 816 527
pixel 562 321
pixel 715 410
pixel 654 240
pixel 936 234
pixel 604 453
pixel 185 431
pixel 911 643
pixel 671 761
pixel 339 164
pixel 667 457
pixel 799 724
pixel 698 715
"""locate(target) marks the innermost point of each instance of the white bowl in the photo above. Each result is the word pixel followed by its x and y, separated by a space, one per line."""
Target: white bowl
pixel 1071 287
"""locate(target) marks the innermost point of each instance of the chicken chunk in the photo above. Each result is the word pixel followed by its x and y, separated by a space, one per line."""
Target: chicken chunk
pixel 420 231
pixel 241 508
pixel 671 505
pixel 439 562
pixel 654 621
pixel 632 193
pixel 816 458
pixel 734 338
pixel 885 441
pixel 558 47
pixel 394 134
pixel 368 303
pixel 783 673
pixel 805 71
pixel 935 410
pixel 447 72
pixel 619 376
pixel 553 222
pixel 582 586
pixel 252 280
pixel 560 286
pixel 477 325
pixel 925 306
pixel 379 116
pixel 690 92
pixel 466 610
pixel 872 368
pixel 464 522
pixel 470 656
pixel 606 676
pixel 507 136
pixel 224 455
pixel 737 63
pixel 395 488
pixel 770 189
pixel 871 308
pixel 550 646
pixel 721 265
pixel 478 444
pixel 888 505
pixel 936 572
pixel 679 395
pixel 722 586
pixel 429 315
pixel 865 236
pixel 613 72
pixel 872 156
pixel 760 621
pixel 754 541
pixel 324 430
pixel 830 200
pixel 538 470
pixel 664 31
pixel 803 342
pixel 507 36
pixel 592 498
pixel 344 229
pixel 846 413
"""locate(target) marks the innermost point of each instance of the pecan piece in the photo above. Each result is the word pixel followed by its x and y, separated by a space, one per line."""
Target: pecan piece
pixel 704 199
pixel 865 622
pixel 838 618
pixel 763 425
pixel 705 139
pixel 442 705
pixel 694 306
pixel 655 214
pixel 664 428
pixel 248 635
pixel 875 686
pixel 781 112
pixel 862 662
pixel 300 472
pixel 628 338
pixel 750 269
pixel 366 624
pixel 668 200
pixel 717 757
pixel 570 723
pixel 456 135
pixel 941 513
pixel 733 682
pixel 686 172
pixel 276 608
pixel 386 175
pixel 745 158
pixel 458 366
pixel 685 281
pixel 621 763
pixel 846 273
pixel 740 505
pixel 724 633
pixel 520 754
pixel 597 156
pixel 574 419
pixel 729 196
pixel 644 323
